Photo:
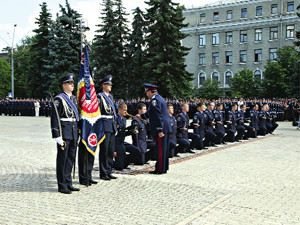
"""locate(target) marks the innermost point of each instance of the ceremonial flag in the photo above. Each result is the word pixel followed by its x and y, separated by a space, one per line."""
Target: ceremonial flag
pixel 90 124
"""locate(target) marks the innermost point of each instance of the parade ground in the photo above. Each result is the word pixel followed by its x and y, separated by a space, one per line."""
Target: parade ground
pixel 253 182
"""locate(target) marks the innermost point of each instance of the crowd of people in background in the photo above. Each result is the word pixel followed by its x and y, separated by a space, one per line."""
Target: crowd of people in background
pixel 285 109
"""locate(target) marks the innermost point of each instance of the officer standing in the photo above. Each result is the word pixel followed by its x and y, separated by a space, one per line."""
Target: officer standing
pixel 64 119
pixel 108 115
pixel 160 126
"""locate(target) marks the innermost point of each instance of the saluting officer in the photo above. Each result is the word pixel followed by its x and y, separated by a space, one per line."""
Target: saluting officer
pixel 64 119
pixel 108 114
pixel 160 126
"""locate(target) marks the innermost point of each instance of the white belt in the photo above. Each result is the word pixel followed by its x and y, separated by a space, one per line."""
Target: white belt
pixel 68 119
pixel 107 117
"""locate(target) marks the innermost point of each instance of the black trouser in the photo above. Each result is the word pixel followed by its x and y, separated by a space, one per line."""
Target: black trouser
pixel 64 163
pixel 240 132
pixel 106 154
pixel 82 154
pixel 183 145
pixel 196 141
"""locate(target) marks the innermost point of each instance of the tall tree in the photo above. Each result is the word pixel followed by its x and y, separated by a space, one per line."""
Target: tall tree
pixel 39 52
pixel 64 45
pixel 136 55
pixel 165 54
pixel 244 85
pixel 5 75
pixel 109 46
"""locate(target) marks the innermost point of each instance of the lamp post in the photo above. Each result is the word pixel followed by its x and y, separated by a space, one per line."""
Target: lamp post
pixel 12 64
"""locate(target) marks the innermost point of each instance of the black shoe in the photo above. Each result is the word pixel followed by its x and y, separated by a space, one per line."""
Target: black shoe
pixel 155 172
pixel 223 142
pixel 105 178
pixel 205 148
pixel 84 183
pixel 93 182
pixel 190 151
pixel 111 176
pixel 71 188
pixel 64 191
pixel 176 155
pixel 238 141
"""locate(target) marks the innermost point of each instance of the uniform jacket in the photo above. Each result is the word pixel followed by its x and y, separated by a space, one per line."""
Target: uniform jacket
pixel 106 109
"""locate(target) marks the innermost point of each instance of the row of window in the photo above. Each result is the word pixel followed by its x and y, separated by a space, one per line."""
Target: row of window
pixel 242 58
pixel 259 12
pixel 215 76
pixel 258 34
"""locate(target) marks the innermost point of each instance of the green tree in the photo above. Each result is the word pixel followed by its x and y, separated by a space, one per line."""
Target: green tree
pixel 22 70
pixel 64 47
pixel 39 75
pixel 209 90
pixel 282 74
pixel 136 55
pixel 165 55
pixel 109 46
pixel 243 84
pixel 5 76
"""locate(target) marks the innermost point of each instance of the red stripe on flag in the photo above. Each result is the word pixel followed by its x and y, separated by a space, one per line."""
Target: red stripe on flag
pixel 160 161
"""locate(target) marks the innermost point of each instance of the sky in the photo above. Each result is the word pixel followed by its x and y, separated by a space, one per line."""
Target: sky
pixel 23 13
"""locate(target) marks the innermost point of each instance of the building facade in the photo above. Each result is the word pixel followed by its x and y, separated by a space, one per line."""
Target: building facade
pixel 233 35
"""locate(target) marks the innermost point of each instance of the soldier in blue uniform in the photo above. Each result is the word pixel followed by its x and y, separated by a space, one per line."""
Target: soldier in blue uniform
pixel 160 126
pixel 141 139
pixel 220 130
pixel 231 124
pixel 242 129
pixel 122 159
pixel 210 122
pixel 173 134
pixel 262 123
pixel 64 131
pixel 108 114
pixel 199 122
pixel 254 121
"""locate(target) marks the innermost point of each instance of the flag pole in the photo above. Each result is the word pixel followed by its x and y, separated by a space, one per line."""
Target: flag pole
pixel 86 151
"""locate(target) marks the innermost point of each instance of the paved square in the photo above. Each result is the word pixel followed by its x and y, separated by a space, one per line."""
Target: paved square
pixel 256 182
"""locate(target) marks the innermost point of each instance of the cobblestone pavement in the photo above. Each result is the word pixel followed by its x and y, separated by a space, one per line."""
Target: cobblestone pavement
pixel 256 182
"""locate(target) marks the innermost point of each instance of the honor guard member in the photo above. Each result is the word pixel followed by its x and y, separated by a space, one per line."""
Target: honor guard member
pixel 160 126
pixel 139 139
pixel 173 134
pixel 122 159
pixel 64 119
pixel 108 115
pixel 262 124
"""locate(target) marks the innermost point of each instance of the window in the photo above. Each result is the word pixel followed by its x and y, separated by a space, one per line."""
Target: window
pixel 290 6
pixel 216 16
pixel 215 76
pixel 290 31
pixel 228 76
pixel 215 38
pixel 243 36
pixel 257 55
pixel 202 39
pixel 259 11
pixel 201 78
pixel 257 75
pixel 202 18
pixel 273 55
pixel 244 13
pixel 273 33
pixel 258 34
pixel 274 9
pixel 243 56
pixel 202 59
pixel 228 37
pixel 228 57
pixel 229 15
pixel 215 58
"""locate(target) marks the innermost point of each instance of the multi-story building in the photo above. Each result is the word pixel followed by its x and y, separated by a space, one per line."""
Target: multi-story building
pixel 232 35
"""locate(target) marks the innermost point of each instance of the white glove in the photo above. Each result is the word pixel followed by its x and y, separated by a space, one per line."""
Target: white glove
pixel 59 141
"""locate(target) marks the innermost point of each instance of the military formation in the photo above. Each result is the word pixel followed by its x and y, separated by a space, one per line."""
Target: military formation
pixel 160 128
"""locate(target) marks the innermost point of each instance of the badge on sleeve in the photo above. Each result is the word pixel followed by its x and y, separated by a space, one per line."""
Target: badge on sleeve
pixel 56 102
pixel 195 117
pixel 154 102
pixel 179 118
